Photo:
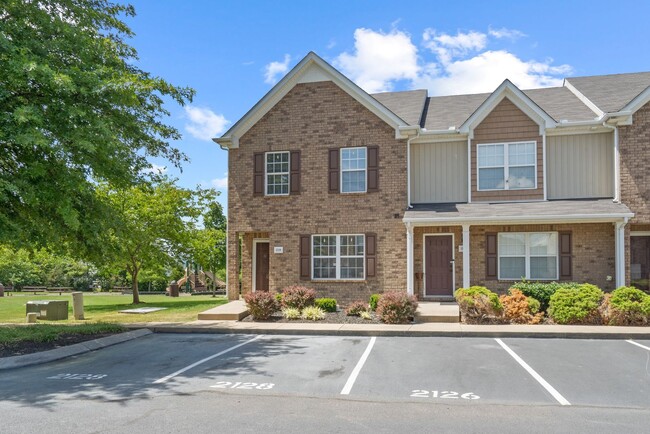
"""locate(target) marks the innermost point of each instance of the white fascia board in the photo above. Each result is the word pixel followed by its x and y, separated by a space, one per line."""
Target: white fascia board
pixel 303 72
pixel 586 101
pixel 520 220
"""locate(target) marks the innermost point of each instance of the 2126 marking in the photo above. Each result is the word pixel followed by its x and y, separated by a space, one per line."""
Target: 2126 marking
pixel 445 394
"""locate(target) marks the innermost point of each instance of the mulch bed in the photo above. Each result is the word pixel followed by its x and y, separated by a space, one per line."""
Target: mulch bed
pixel 330 318
pixel 23 348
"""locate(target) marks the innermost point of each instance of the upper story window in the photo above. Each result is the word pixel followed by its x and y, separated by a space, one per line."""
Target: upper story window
pixel 507 166
pixel 532 255
pixel 353 170
pixel 277 173
pixel 338 257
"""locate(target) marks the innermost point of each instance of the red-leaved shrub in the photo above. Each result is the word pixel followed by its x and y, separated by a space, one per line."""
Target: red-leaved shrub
pixel 356 307
pixel 261 304
pixel 298 297
pixel 396 307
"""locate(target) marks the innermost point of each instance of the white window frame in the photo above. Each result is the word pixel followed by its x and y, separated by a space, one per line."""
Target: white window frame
pixel 506 167
pixel 338 256
pixel 266 174
pixel 365 170
pixel 527 256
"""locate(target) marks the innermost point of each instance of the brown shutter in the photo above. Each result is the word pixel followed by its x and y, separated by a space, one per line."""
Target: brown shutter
pixel 294 180
pixel 305 257
pixel 258 174
pixel 565 256
pixel 334 171
pixel 371 255
pixel 373 169
pixel 491 257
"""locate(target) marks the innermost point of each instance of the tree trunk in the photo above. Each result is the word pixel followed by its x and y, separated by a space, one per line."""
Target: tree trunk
pixel 134 285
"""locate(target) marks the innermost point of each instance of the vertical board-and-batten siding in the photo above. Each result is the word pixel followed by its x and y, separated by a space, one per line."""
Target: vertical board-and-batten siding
pixel 439 172
pixel 580 166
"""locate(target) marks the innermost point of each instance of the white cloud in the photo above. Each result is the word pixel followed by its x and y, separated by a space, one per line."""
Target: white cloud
pixel 379 59
pixel 155 168
pixel 506 33
pixel 220 183
pixel 446 47
pixel 204 124
pixel 274 70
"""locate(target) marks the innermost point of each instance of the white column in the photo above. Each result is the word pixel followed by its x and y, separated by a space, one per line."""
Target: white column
pixel 466 265
pixel 620 253
pixel 409 259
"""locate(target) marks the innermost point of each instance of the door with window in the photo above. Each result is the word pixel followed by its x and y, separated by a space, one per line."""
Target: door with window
pixel 640 262
pixel 438 265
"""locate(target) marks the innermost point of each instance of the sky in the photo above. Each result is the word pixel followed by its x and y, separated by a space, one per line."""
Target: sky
pixel 233 52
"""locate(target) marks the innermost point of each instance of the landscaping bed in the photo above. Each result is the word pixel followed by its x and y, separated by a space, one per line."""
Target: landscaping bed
pixel 330 318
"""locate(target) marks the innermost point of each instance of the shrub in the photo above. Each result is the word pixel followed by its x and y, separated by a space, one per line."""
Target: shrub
pixel 479 305
pixel 298 296
pixel 374 299
pixel 542 291
pixel 327 304
pixel 291 313
pixel 365 315
pixel 313 313
pixel 578 305
pixel 626 306
pixel 355 308
pixel 278 297
pixel 533 305
pixel 261 305
pixel 396 307
pixel 517 308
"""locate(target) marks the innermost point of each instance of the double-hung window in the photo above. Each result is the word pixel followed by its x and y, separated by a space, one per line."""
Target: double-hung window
pixel 353 170
pixel 277 173
pixel 530 255
pixel 338 257
pixel 507 166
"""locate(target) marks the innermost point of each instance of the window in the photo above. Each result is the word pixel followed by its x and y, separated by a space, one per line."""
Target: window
pixel 528 255
pixel 277 173
pixel 507 166
pixel 338 257
pixel 353 170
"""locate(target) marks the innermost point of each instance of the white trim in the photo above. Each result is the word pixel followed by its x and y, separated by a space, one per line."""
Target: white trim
pixel 526 219
pixel 640 233
pixel 617 167
pixel 619 243
pixel 365 170
pixel 469 169
pixel 466 256
pixel 409 259
pixel 506 166
pixel 424 263
pixel 338 258
pixel 544 166
pixel 586 101
pixel 639 101
pixel 527 256
pixel 257 241
pixel 266 174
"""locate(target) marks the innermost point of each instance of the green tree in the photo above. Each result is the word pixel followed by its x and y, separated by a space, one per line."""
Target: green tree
pixel 153 225
pixel 75 111
pixel 214 218
pixel 209 249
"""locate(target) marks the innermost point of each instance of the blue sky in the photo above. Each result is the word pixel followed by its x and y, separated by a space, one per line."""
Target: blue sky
pixel 232 52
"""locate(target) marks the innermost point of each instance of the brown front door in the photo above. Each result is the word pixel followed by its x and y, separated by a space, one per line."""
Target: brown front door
pixel 261 266
pixel 640 262
pixel 438 266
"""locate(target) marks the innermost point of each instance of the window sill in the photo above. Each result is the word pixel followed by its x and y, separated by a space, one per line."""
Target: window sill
pixel 338 280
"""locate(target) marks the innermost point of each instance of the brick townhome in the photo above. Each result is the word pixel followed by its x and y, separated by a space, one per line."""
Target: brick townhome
pixel 351 193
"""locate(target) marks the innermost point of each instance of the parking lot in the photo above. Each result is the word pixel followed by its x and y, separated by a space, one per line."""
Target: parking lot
pixel 453 371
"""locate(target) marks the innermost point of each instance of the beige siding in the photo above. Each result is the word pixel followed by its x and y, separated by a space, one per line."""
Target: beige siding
pixel 439 172
pixel 580 166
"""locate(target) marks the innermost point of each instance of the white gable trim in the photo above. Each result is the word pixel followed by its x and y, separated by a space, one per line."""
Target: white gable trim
pixel 518 98
pixel 639 101
pixel 586 101
pixel 310 69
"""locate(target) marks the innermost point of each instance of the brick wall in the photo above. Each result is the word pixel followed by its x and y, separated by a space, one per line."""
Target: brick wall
pixel 313 118
pixel 634 146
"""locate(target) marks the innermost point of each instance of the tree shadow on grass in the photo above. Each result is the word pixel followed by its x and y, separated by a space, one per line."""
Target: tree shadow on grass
pixel 169 305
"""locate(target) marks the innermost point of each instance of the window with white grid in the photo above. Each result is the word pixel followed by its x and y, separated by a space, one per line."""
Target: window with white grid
pixel 277 173
pixel 338 257
pixel 353 170
pixel 507 166
pixel 529 255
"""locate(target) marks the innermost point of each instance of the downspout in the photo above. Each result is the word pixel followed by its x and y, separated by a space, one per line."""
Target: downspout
pixel 617 163
pixel 408 169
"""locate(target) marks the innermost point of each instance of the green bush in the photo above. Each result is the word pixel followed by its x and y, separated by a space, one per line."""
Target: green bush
pixel 479 305
pixel 261 304
pixel 298 296
pixel 327 304
pixel 291 313
pixel 313 313
pixel 374 300
pixel 626 306
pixel 542 291
pixel 576 305
pixel 356 307
pixel 533 305
pixel 278 297
pixel 396 307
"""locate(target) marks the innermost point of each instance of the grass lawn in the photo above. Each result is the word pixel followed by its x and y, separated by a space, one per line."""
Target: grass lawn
pixel 11 335
pixel 104 308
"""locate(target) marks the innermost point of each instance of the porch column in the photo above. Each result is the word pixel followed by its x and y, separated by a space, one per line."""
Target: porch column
pixel 409 259
pixel 466 264
pixel 620 252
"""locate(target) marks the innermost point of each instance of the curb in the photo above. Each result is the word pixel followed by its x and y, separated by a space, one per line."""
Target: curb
pixel 71 350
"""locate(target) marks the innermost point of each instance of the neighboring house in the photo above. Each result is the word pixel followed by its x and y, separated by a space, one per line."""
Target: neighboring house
pixel 351 193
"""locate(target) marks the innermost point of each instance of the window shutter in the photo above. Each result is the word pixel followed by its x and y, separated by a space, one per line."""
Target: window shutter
pixel 333 180
pixel 258 174
pixel 294 177
pixel 491 257
pixel 371 255
pixel 305 257
pixel 373 169
pixel 566 260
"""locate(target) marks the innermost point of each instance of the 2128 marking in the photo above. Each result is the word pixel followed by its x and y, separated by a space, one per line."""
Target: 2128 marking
pixel 240 385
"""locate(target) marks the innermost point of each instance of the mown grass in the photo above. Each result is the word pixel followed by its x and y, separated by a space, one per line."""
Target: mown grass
pixel 12 335
pixel 105 308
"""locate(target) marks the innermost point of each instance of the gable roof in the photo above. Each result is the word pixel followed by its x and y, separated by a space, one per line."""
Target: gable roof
pixel 408 105
pixel 611 93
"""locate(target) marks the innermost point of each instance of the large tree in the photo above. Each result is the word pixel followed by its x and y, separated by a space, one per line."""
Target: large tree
pixel 75 111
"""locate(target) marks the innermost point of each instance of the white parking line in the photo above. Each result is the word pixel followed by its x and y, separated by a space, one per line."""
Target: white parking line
pixel 561 399
pixel 637 344
pixel 180 371
pixel 355 373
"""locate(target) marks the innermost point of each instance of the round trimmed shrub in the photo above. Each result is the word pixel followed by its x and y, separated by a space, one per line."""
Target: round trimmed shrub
pixel 356 307
pixel 261 305
pixel 479 305
pixel 542 291
pixel 577 305
pixel 396 307
pixel 626 306
pixel 519 309
pixel 374 299
pixel 298 297
pixel 327 304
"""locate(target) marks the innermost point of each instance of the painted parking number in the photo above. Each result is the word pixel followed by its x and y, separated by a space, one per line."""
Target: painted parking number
pixel 77 377
pixel 445 394
pixel 241 385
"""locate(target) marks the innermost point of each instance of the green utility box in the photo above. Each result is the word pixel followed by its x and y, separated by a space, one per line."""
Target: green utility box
pixel 52 310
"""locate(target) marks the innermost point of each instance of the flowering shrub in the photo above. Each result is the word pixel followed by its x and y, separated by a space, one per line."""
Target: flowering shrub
pixel 298 297
pixel 519 309
pixel 479 305
pixel 313 313
pixel 355 308
pixel 626 306
pixel 577 305
pixel 261 304
pixel 396 307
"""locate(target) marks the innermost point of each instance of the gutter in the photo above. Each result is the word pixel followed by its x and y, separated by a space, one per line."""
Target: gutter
pixel 500 219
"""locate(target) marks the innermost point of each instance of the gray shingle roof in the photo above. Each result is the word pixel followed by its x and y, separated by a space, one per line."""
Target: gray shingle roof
pixel 407 105
pixel 612 92
pixel 561 104
pixel 451 111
